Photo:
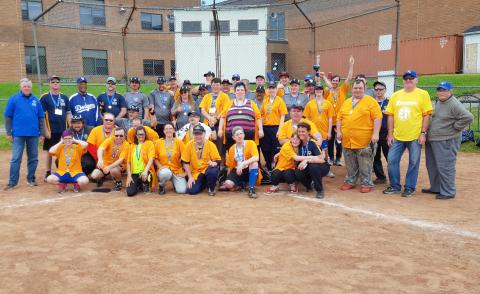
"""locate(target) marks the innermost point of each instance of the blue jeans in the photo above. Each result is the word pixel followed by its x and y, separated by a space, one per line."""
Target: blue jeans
pixel 208 179
pixel 17 153
pixel 395 155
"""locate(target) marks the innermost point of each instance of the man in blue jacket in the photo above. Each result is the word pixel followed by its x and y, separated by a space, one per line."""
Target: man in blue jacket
pixel 85 104
pixel 24 124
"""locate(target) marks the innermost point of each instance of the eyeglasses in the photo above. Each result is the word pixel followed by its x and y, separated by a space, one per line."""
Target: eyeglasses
pixel 379 89
pixel 111 83
pixel 118 136
pixel 408 78
pixel 141 134
pixel 109 120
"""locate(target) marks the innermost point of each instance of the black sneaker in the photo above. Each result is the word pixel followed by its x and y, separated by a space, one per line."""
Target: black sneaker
pixel 408 193
pixel 252 193
pixel 100 182
pixel 146 188
pixel 380 181
pixel 429 191
pixel 47 173
pixel 211 192
pixel 32 183
pixel 162 190
pixel 8 187
pixel 117 186
pixel 320 195
pixel 444 197
pixel 391 191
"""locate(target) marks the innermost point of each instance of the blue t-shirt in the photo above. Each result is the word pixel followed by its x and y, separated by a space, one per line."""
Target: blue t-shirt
pixel 86 105
pixel 309 149
pixel 55 108
pixel 112 104
pixel 383 105
pixel 25 111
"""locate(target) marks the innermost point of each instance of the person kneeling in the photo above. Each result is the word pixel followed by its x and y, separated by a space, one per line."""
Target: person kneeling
pixel 312 166
pixel 69 153
pixel 140 163
pixel 285 166
pixel 242 162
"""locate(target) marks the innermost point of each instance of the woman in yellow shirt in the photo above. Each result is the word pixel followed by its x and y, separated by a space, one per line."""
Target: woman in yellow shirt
pixel 140 163
pixel 242 162
pixel 168 153
pixel 69 153
pixel 285 167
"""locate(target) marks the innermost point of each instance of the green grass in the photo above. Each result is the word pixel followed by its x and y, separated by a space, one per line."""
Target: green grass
pixel 456 80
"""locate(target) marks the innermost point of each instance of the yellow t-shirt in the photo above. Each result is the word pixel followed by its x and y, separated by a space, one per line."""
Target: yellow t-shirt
pixel 337 100
pixel 162 154
pixel 75 153
pixel 286 130
pixel 250 150
pixel 198 159
pixel 272 112
pixel 319 114
pixel 218 107
pixel 408 110
pixel 110 155
pixel 97 136
pixel 357 122
pixel 285 158
pixel 151 135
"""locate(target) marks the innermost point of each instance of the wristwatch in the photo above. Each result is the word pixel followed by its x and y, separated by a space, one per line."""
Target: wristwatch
pixel 424 132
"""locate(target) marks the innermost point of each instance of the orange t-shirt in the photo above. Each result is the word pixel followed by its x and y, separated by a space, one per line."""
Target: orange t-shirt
pixel 218 107
pixel 110 155
pixel 151 135
pixel 198 159
pixel 287 129
pixel 98 135
pixel 75 153
pixel 337 100
pixel 319 114
pixel 272 112
pixel 162 154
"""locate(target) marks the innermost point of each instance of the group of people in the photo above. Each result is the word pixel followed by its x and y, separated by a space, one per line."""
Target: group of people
pixel 194 136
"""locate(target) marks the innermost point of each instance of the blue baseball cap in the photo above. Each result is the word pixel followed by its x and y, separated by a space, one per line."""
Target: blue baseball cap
pixel 307 77
pixel 82 80
pixel 410 73
pixel 445 85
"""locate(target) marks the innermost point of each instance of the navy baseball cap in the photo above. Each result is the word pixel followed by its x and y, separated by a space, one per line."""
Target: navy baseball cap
pixel 198 129
pixel 318 87
pixel 202 87
pixel 187 82
pixel 161 80
pixel 272 84
pixel 310 82
pixel 184 89
pixel 411 73
pixel 445 85
pixel 236 77
pixel 295 81
pixel 259 76
pixel 135 80
pixel 260 89
pixel 77 117
pixel 209 73
pixel 298 107
pixel 172 78
pixel 133 108
pixel 226 81
pixel 194 113
pixel 82 80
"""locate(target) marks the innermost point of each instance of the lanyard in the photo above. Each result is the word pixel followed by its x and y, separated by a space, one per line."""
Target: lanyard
pixel 105 134
pixel 185 106
pixel 109 99
pixel 115 151
pixel 356 103
pixel 57 103
pixel 169 150
pixel 68 157
pixel 270 105
pixel 81 136
pixel 319 106
pixel 381 104
pixel 199 157
pixel 214 99
pixel 240 157
pixel 304 149
pixel 138 152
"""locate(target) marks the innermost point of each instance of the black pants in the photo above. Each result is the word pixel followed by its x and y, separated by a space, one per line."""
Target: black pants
pixel 159 130
pixel 333 143
pixel 314 172
pixel 286 176
pixel 269 144
pixel 88 163
pixel 382 147
pixel 137 184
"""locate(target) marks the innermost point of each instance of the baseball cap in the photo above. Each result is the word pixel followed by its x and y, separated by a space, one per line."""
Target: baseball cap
pixel 226 81
pixel 112 80
pixel 187 82
pixel 161 80
pixel 184 89
pixel 310 82
pixel 259 76
pixel 379 83
pixel 272 84
pixel 298 107
pixel 67 133
pixel 236 77
pixel 445 85
pixel 260 89
pixel 198 129
pixel 133 108
pixel 283 74
pixel 295 81
pixel 77 117
pixel 318 87
pixel 209 73
pixel 82 80
pixel 135 80
pixel 307 77
pixel 410 73
pixel 54 77
pixel 194 113
pixel 172 78
pixel 202 87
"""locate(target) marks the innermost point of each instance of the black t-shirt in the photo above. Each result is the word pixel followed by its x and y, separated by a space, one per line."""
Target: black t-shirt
pixel 309 149
pixel 56 108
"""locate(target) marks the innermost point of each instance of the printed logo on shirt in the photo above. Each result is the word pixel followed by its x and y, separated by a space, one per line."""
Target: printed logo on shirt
pixel 84 108
pixel 404 113
pixel 34 103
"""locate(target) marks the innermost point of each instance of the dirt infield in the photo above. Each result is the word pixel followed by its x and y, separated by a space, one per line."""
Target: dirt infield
pixel 348 242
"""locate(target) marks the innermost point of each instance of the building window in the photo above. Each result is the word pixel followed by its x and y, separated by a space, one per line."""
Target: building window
pixel 224 27
pixel 92 14
pixel 279 63
pixel 152 21
pixel 95 62
pixel 276 26
pixel 171 23
pixel 152 67
pixel 248 27
pixel 31 60
pixel 173 68
pixel 31 9
pixel 191 27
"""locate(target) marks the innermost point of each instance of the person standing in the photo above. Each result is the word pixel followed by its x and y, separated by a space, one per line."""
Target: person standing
pixel 162 102
pixel 111 101
pixel 382 147
pixel 294 97
pixel 85 104
pixel 57 115
pixel 408 113
pixel 139 99
pixel 184 104
pixel 443 142
pixel 358 124
pixel 24 125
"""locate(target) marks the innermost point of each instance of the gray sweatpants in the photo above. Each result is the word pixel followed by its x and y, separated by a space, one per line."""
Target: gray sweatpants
pixel 441 157
pixel 179 182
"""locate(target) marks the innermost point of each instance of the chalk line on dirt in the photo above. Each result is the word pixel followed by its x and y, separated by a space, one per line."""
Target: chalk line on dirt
pixel 43 201
pixel 439 227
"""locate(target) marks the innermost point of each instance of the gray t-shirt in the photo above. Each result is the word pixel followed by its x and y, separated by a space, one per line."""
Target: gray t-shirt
pixel 182 116
pixel 250 96
pixel 163 103
pixel 290 100
pixel 138 99
pixel 126 123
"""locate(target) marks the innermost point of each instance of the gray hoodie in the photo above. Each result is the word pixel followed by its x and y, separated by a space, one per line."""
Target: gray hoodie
pixel 448 120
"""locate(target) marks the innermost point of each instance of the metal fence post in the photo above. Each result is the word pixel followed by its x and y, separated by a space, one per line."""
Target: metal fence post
pixel 39 77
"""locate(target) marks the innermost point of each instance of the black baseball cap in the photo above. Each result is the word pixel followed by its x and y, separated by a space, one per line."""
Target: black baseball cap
pixel 172 78
pixel 226 81
pixel 135 80
pixel 184 89
pixel 295 81
pixel 202 87
pixel 259 76
pixel 77 117
pixel 298 107
pixel 209 73
pixel 198 129
pixel 187 82
pixel 260 89
pixel 161 80
pixel 134 108
pixel 379 83
pixel 194 113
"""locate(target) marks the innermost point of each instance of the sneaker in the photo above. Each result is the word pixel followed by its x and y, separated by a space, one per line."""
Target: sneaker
pixel 100 182
pixel 429 191
pixel 62 188
pixel 8 187
pixel 47 173
pixel 444 197
pixel 293 188
pixel 117 186
pixel 408 193
pixel 330 174
pixel 146 188
pixel 330 161
pixel 320 195
pixel 32 183
pixel 391 191
pixel 76 187
pixel 338 162
pixel 378 181
pixel 211 192
pixel 162 190
pixel 346 186
pixel 273 189
pixel 365 189
pixel 252 193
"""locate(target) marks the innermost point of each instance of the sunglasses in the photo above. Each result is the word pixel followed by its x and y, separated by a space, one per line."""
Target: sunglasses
pixel 109 120
pixel 118 136
pixel 408 78
pixel 111 83
pixel 379 89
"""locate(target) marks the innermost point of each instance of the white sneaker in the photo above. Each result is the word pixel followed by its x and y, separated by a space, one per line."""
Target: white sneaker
pixel 330 174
